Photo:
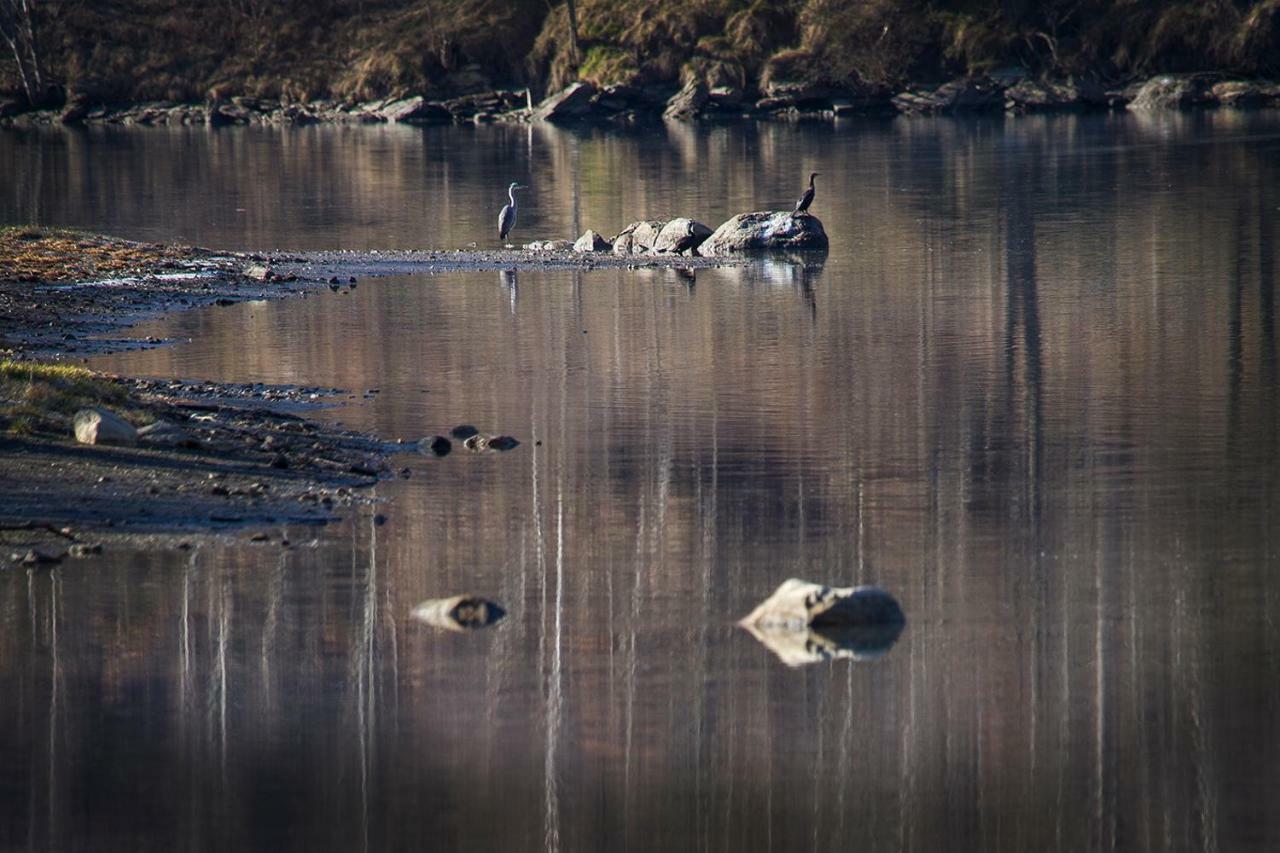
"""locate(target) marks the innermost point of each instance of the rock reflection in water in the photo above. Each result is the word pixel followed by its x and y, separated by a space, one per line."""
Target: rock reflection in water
pixel 798 648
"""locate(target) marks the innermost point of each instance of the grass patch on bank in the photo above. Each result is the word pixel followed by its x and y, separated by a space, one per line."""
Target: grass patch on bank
pixel 40 398
pixel 34 254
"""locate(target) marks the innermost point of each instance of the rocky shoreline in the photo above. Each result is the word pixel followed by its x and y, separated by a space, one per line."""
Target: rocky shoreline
pixel 1009 91
pixel 213 458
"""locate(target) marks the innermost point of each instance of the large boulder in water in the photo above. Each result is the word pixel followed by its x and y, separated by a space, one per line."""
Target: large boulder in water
pixel 766 230
pixel 806 622
pixel 637 237
pixel 680 235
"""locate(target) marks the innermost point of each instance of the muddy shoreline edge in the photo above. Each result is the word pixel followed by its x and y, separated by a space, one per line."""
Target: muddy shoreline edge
pixel 243 462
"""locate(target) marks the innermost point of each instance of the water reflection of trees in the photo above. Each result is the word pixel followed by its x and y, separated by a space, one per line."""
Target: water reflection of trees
pixel 1036 398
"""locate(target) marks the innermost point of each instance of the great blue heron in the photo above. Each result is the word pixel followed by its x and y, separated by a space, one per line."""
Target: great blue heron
pixel 802 206
pixel 507 218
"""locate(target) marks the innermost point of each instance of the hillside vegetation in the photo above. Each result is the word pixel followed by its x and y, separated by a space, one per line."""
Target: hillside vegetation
pixel 361 49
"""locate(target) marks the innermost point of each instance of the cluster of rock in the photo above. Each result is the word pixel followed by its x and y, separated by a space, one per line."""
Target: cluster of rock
pixel 746 232
pixel 1011 91
pixel 475 108
pixel 472 439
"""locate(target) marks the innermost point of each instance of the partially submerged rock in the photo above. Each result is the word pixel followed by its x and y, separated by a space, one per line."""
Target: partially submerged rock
pixel 436 445
pixel 480 443
pixel 688 102
pixel 975 94
pixel 1030 96
pixel 638 237
pixel 100 426
pixel 463 431
pixel 680 235
pixel 764 231
pixel 458 613
pixel 575 101
pixel 590 241
pixel 805 622
pixel 413 110
pixel 1170 92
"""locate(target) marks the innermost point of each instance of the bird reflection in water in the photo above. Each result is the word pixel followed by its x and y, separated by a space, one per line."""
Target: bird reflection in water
pixel 507 278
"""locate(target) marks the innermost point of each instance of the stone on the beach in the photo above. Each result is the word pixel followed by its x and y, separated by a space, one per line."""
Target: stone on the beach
pixel 99 426
pixel 257 272
pixel 805 622
pixel 459 612
pixel 680 235
pixel 590 241
pixel 637 237
pixel 569 103
pixel 688 102
pixel 766 230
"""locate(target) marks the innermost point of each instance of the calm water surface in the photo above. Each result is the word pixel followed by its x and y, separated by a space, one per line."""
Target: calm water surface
pixel 1032 391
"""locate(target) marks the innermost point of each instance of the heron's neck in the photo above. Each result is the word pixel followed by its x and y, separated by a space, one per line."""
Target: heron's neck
pixel 511 194
pixel 811 181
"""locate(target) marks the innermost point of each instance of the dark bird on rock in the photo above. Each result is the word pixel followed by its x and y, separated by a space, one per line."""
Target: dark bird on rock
pixel 802 206
pixel 507 218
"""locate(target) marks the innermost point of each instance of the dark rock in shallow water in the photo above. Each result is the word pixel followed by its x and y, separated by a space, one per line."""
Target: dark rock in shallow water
pixel 481 443
pixel 766 231
pixel 436 445
pixel 459 612
pixel 463 431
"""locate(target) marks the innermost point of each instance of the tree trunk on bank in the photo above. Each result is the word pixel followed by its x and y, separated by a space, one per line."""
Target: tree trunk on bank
pixel 18 30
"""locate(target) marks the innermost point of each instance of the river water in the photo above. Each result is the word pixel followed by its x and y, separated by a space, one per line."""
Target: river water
pixel 1032 391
